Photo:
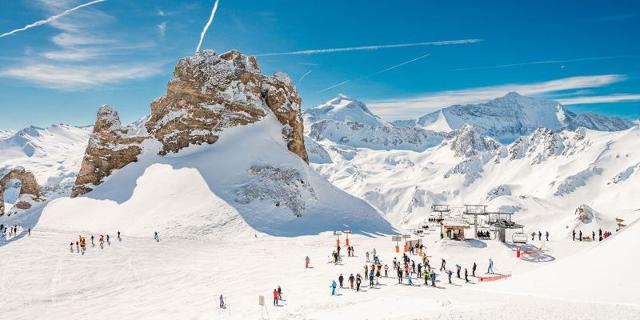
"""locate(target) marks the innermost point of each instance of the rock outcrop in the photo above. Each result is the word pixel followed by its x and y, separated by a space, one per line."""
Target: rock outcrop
pixel 111 146
pixel 28 187
pixel 209 93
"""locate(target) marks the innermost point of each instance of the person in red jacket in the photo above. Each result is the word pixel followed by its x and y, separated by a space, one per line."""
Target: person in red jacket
pixel 275 297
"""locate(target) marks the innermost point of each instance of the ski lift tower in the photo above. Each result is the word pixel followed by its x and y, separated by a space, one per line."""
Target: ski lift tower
pixel 441 209
pixel 475 210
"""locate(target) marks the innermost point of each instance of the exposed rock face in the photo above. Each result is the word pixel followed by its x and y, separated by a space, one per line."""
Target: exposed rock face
pixel 111 146
pixel 209 93
pixel 28 186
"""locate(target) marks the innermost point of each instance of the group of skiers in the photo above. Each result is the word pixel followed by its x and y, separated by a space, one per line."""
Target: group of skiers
pixel 405 269
pixel 601 235
pixel 546 233
pixel 10 231
pixel 277 296
pixel 81 243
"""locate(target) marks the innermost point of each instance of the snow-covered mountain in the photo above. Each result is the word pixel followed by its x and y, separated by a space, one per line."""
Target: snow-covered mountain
pixel 548 171
pixel 349 122
pixel 221 153
pixel 52 154
pixel 509 117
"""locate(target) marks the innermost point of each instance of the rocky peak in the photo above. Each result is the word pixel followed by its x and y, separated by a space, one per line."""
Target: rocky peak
pixel 467 142
pixel 29 189
pixel 111 146
pixel 209 93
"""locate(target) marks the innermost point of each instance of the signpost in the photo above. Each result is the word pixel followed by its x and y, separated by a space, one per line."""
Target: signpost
pixel 338 234
pixel 346 234
pixel 397 240
pixel 406 245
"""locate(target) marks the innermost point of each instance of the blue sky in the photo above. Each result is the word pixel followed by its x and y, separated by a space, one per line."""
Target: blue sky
pixel 120 52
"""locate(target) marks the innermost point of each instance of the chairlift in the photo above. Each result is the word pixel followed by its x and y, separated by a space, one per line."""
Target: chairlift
pixel 519 237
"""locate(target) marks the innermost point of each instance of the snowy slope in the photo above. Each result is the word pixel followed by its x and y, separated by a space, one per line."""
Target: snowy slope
pixel 52 154
pixel 246 180
pixel 509 117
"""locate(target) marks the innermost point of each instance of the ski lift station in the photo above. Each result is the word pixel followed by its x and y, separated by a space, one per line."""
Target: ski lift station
pixel 454 226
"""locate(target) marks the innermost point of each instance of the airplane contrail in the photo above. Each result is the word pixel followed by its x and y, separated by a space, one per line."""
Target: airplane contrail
pixel 373 47
pixel 499 66
pixel 304 76
pixel 206 27
pixel 377 72
pixel 50 19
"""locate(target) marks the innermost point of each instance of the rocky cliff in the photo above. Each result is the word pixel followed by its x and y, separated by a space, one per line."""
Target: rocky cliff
pixel 111 146
pixel 209 93
pixel 29 189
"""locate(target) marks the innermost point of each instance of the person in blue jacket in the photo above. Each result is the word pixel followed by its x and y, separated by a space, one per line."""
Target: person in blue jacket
pixel 333 288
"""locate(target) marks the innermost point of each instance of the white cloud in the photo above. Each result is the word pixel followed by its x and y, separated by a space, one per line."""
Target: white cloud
pixel 162 29
pixel 405 108
pixel 71 78
pixel 622 97
pixel 50 19
pixel 373 47
pixel 85 52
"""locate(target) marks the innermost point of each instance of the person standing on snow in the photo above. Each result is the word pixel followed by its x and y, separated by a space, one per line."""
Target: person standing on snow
pixel 546 234
pixel 574 235
pixel 539 236
pixel 533 236
pixel 358 282
pixel 466 275
pixel 473 269
pixel 333 288
pixel 119 238
pixel 490 268
pixel 580 235
pixel 458 268
pixel 449 273
pixel 419 270
pixel 222 306
pixel 426 277
pixel 306 262
pixel 386 271
pixel 367 255
pixel 399 276
pixel 340 280
pixel 593 236
pixel 351 280
pixel 275 297
pixel 433 279
pixel 280 293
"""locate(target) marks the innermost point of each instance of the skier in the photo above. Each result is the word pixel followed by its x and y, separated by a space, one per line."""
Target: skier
pixel 433 279
pixel 458 268
pixel 275 297
pixel 449 273
pixel 366 270
pixel 419 270
pixel 386 271
pixel 338 249
pixel 306 262
pixel 222 306
pixel 333 288
pixel 574 235
pixel 399 276
pixel 490 268
pixel 580 235
pixel 280 293
pixel 367 254
pixel 409 281
pixel 340 279
pixel 157 237
pixel 539 236
pixel 108 242
pixel 533 236
pixel 119 239
pixel 92 244
pixel 466 275
pixel 358 282
pixel 371 275
pixel 351 280
pixel 546 234
pixel 426 277
pixel 443 265
pixel 71 247
pixel 600 234
pixel 29 231
pixel 593 236
pixel 473 269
